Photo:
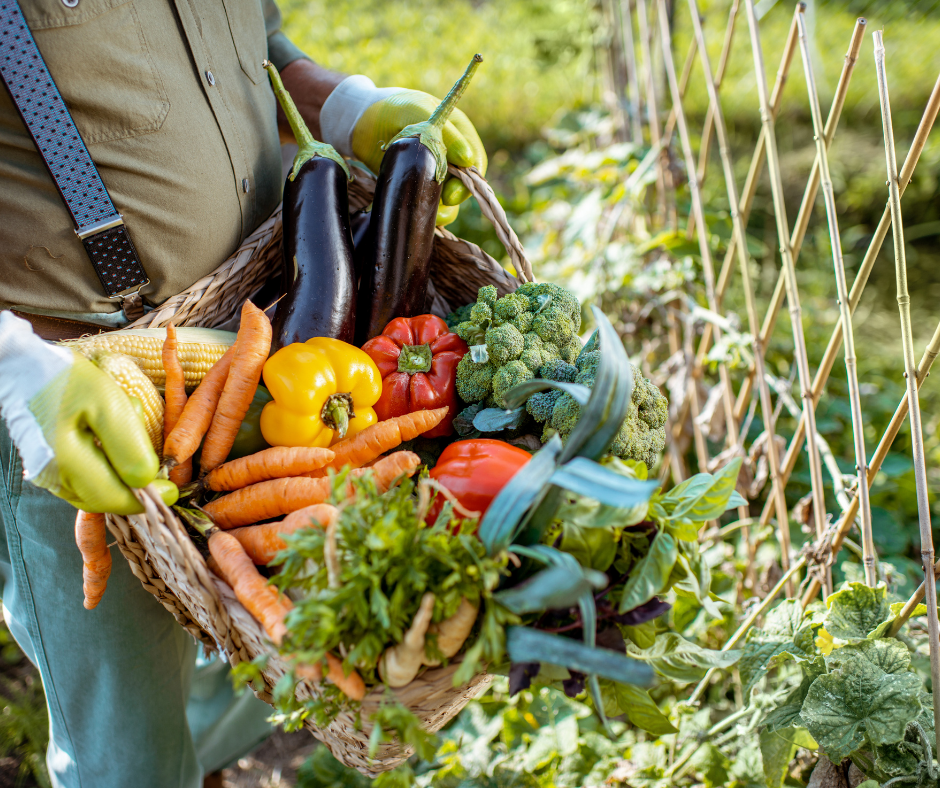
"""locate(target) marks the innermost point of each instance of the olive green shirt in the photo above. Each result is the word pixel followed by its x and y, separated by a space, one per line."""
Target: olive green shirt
pixel 177 113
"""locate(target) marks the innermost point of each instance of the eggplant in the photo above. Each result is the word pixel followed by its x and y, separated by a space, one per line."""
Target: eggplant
pixel 394 258
pixel 318 273
pixel 359 226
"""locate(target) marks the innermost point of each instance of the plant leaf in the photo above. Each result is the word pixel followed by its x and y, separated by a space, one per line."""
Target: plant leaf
pixel 856 612
pixel 501 521
pixel 517 395
pixel 642 710
pixel 777 748
pixel 857 703
pixel 678 659
pixel 593 480
pixel 712 501
pixel 496 419
pixel 783 626
pixel 593 547
pixel 524 644
pixel 888 654
pixel 557 587
pixel 651 574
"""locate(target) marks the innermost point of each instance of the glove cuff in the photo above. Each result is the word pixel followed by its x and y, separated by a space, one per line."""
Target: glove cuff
pixel 345 106
pixel 27 365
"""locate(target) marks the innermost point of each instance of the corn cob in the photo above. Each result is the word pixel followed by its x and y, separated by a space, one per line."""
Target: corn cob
pixel 128 376
pixel 199 349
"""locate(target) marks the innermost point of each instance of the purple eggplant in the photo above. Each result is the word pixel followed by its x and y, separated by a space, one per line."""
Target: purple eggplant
pixel 394 257
pixel 319 279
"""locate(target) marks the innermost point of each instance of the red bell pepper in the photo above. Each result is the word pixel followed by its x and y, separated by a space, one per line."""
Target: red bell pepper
pixel 417 358
pixel 475 471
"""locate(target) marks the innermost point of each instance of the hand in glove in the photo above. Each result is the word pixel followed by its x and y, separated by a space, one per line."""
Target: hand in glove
pixel 76 430
pixel 358 118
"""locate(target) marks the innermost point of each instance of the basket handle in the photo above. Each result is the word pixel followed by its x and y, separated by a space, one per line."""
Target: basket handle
pixel 494 212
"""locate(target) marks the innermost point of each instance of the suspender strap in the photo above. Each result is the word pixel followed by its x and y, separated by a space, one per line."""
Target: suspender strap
pixel 97 222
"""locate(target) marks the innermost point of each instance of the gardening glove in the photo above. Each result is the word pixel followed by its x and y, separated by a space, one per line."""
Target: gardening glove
pixel 77 432
pixel 358 118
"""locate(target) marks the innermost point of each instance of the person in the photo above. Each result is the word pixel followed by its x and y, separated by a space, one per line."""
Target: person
pixel 175 108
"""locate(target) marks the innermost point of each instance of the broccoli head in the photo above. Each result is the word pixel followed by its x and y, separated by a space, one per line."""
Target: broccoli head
pixel 503 343
pixel 539 406
pixel 558 369
pixel 458 316
pixel 474 381
pixel 508 376
pixel 642 435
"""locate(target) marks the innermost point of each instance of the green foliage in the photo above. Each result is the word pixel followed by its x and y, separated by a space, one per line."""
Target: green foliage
pixel 24 728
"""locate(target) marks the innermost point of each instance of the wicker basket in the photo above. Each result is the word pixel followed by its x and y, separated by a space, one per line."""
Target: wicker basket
pixel 165 560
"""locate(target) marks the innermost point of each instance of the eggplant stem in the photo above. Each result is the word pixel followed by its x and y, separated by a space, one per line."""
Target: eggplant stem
pixel 429 132
pixel 307 147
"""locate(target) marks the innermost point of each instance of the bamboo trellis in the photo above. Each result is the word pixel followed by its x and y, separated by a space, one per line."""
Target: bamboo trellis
pixel 738 408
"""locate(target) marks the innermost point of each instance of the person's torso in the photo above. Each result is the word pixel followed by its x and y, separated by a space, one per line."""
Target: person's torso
pixel 175 108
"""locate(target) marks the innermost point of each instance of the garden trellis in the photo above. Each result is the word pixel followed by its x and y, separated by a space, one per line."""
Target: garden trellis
pixel 636 81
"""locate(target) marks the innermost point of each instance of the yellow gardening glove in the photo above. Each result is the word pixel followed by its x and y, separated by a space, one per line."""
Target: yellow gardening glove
pixel 358 118
pixel 76 430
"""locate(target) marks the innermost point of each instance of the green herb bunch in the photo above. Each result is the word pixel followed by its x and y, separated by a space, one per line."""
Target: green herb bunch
pixel 357 590
pixel 855 693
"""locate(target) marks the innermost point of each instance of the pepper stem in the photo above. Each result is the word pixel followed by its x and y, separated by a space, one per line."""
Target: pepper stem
pixel 307 146
pixel 429 132
pixel 415 358
pixel 336 413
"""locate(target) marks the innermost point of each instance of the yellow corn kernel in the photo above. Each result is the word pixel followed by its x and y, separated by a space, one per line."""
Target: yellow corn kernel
pixel 198 350
pixel 126 373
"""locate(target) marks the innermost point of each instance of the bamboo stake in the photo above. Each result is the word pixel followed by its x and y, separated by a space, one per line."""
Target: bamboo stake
pixel 670 126
pixel 741 631
pixel 626 30
pixel 767 410
pixel 793 292
pixel 851 370
pixel 910 373
pixel 884 446
pixel 753 175
pixel 861 279
pixel 652 102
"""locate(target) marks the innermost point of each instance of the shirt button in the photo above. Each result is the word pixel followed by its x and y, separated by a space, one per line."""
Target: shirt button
pixel 245 185
pixel 210 78
pixel 70 3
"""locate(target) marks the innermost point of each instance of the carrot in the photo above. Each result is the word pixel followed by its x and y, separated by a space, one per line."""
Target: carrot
pixel 91 538
pixel 234 566
pixel 252 346
pixel 273 463
pixel 379 438
pixel 194 421
pixel 264 542
pixel 352 685
pixel 273 498
pixel 175 396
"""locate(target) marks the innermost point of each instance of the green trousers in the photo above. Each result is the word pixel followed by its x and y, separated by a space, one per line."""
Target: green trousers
pixel 130 701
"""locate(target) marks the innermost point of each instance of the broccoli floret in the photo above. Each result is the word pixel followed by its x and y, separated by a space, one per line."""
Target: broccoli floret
pixel 540 406
pixel 547 432
pixel 571 349
pixel 587 367
pixel 565 415
pixel 509 307
pixel 458 316
pixel 503 343
pixel 554 326
pixel 471 332
pixel 533 353
pixel 481 313
pixel 509 376
pixel 487 295
pixel 474 381
pixel 558 369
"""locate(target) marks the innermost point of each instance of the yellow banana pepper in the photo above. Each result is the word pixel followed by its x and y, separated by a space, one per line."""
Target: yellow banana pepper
pixel 323 390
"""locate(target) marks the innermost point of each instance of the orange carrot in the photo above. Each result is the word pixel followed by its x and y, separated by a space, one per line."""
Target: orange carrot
pixel 379 438
pixel 91 538
pixel 264 542
pixel 352 685
pixel 251 589
pixel 175 396
pixel 274 463
pixel 194 421
pixel 252 346
pixel 273 498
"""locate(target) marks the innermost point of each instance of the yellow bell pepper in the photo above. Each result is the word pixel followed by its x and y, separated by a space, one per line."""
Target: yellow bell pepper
pixel 323 390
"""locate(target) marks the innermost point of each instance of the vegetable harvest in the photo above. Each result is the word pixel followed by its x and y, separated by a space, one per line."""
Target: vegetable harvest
pixel 395 255
pixel 319 279
pixel 417 358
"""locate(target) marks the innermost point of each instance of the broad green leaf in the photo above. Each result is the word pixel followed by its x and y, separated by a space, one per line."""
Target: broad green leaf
pixel 859 703
pixel 783 627
pixel 713 765
pixel 532 645
pixel 897 759
pixel 777 748
pixel 856 611
pixel 736 500
pixel 517 395
pixel 642 635
pixel 888 654
pixel 697 579
pixel 686 493
pixel 785 716
pixel 592 480
pixel 651 574
pixel 525 488
pixel 679 659
pixel 557 587
pixel 593 547
pixel 642 710
pixel 682 528
pixel 714 501
pixel 496 419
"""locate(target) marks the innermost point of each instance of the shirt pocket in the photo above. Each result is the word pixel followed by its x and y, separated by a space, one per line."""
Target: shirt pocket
pixel 246 23
pixel 100 60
